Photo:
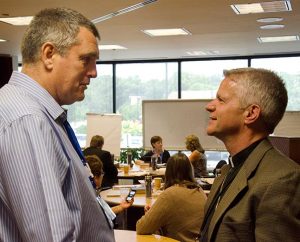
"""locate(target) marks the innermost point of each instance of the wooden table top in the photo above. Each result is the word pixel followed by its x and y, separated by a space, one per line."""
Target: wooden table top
pixel 113 197
pixel 131 236
pixel 137 172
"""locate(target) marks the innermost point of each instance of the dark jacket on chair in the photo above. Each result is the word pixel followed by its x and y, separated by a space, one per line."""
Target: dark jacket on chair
pixel 111 172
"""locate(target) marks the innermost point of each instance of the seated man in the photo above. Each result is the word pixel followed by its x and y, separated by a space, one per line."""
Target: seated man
pixel 110 171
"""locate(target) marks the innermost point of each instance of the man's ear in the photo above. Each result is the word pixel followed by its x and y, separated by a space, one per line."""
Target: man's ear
pixel 252 113
pixel 48 51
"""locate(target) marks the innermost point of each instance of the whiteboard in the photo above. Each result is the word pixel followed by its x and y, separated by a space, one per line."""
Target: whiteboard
pixel 107 125
pixel 173 120
pixel 289 126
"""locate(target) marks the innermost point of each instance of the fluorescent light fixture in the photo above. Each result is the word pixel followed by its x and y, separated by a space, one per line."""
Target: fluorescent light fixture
pixel 111 47
pixel 272 26
pixel 263 7
pixel 201 52
pixel 269 20
pixel 278 39
pixel 247 8
pixel 122 11
pixel 166 32
pixel 17 20
pixel 2 40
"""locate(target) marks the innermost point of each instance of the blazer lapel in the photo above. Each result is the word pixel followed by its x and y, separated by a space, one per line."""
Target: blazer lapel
pixel 239 183
pixel 217 183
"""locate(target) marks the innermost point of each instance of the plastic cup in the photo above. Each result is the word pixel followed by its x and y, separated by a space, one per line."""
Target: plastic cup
pixel 157 182
pixel 126 169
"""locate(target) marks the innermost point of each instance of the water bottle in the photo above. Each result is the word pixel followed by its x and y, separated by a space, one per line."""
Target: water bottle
pixel 129 158
pixel 159 161
pixel 153 162
pixel 148 186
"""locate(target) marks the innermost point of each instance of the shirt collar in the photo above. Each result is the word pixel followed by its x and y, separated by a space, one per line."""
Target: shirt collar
pixel 240 157
pixel 34 89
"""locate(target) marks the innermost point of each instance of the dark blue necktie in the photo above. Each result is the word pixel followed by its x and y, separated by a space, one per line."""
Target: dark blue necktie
pixel 76 146
pixel 109 214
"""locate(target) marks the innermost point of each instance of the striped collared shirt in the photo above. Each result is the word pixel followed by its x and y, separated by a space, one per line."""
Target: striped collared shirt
pixel 45 193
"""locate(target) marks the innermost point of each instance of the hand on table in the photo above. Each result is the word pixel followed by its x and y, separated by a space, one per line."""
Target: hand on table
pixel 146 208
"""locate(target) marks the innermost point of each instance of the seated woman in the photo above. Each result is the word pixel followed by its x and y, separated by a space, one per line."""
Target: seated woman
pixel 197 157
pixel 157 145
pixel 96 167
pixel 178 211
pixel 96 148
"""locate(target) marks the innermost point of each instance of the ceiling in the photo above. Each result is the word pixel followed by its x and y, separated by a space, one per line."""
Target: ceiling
pixel 213 24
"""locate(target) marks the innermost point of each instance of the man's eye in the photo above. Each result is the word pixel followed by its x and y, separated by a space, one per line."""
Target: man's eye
pixel 220 100
pixel 85 59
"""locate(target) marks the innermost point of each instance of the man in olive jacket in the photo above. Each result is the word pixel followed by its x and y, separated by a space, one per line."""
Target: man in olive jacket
pixel 257 196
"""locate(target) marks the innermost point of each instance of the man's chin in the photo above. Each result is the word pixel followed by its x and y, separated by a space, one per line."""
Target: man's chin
pixel 81 98
pixel 210 132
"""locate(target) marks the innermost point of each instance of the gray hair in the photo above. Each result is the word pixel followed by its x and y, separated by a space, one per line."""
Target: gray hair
pixel 60 26
pixel 263 88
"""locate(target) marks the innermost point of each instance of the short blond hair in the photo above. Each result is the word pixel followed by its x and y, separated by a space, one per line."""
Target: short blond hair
pixel 192 143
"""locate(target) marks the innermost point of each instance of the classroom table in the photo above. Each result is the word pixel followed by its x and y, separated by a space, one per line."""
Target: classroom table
pixel 137 173
pixel 128 218
pixel 113 197
pixel 205 182
pixel 131 236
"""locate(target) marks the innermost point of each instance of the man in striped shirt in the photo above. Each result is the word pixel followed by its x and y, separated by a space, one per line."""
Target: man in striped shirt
pixel 45 192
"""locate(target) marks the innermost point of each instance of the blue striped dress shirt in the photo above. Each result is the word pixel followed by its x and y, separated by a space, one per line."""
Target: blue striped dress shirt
pixel 45 193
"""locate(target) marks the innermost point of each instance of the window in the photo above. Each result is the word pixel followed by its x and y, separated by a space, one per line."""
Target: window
pixel 288 69
pixel 98 99
pixel 137 82
pixel 201 79
pixel 213 158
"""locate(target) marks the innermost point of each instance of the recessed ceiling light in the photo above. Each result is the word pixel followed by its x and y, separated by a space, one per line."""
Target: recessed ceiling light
pixel 272 26
pixel 124 10
pixel 263 7
pixel 247 8
pixel 2 40
pixel 17 20
pixel 111 47
pixel 166 32
pixel 201 52
pixel 278 39
pixel 269 20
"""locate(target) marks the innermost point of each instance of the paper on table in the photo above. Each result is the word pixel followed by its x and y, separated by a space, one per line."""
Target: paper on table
pixel 113 193
pixel 134 187
pixel 208 180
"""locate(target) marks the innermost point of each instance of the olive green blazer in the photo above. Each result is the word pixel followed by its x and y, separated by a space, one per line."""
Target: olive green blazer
pixel 262 202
